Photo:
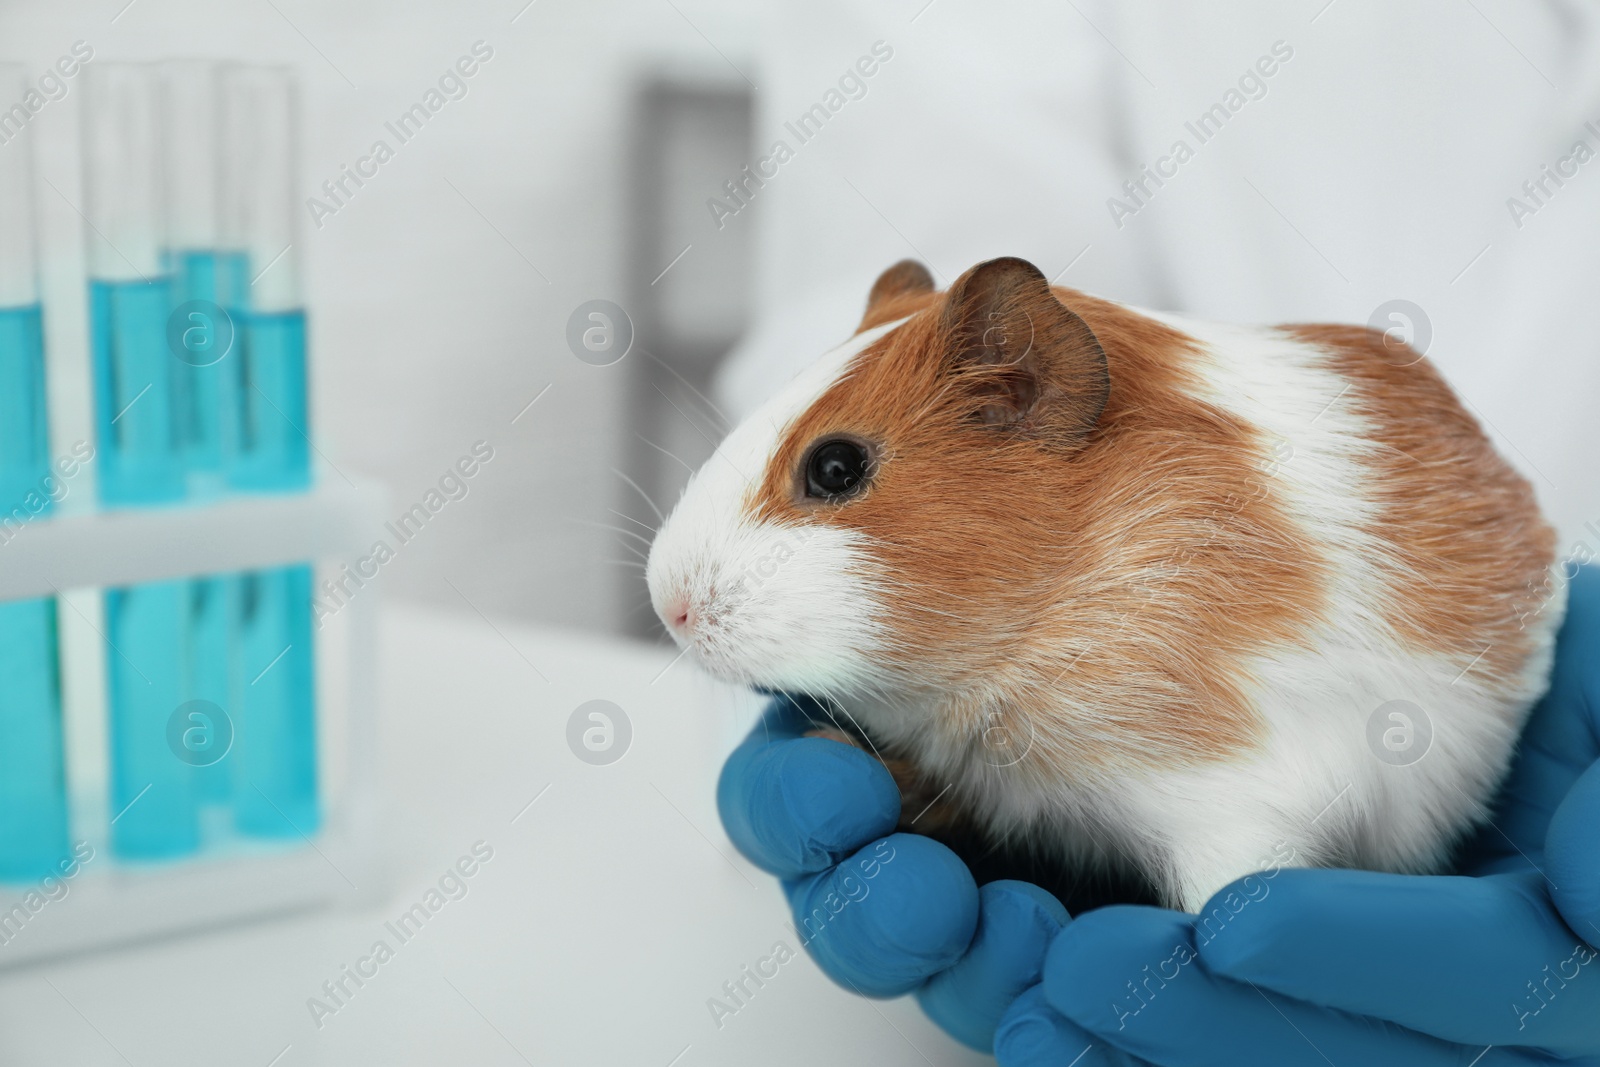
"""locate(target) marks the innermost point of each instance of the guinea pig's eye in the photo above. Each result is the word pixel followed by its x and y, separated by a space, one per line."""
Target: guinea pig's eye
pixel 837 469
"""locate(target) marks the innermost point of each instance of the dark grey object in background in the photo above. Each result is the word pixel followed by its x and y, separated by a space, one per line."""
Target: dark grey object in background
pixel 689 292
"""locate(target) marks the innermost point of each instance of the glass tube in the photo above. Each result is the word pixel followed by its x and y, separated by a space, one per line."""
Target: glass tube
pixel 129 292
pixel 33 796
pixel 33 789
pixel 209 288
pixel 209 281
pixel 24 434
pixel 260 216
pixel 154 799
pixel 211 675
pixel 275 776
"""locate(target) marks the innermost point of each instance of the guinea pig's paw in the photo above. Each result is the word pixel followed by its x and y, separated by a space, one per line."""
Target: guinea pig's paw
pixel 925 808
pixel 834 735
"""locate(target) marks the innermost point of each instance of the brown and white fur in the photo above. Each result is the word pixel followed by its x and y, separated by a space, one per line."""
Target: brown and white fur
pixel 1175 567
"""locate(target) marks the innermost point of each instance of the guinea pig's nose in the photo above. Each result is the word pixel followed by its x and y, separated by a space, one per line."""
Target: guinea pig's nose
pixel 679 615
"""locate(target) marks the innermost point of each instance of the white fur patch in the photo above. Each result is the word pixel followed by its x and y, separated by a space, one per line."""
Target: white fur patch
pixel 783 606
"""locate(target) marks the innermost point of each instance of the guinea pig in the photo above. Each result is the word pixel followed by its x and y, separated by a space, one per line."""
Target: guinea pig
pixel 1145 593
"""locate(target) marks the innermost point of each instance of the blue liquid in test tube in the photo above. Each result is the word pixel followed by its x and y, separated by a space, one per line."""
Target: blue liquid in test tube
pixel 33 795
pixel 208 297
pixel 275 453
pixel 33 790
pixel 275 777
pixel 153 789
pixel 211 672
pixel 24 432
pixel 139 447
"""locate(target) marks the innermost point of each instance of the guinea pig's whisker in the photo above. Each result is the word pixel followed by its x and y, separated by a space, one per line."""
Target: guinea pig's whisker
pixel 664 452
pixel 629 533
pixel 829 704
pixel 693 425
pixel 639 549
pixel 618 530
pixel 727 423
pixel 629 518
pixel 723 455
pixel 641 492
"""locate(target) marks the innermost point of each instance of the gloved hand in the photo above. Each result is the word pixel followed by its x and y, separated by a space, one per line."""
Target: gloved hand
pixel 883 913
pixel 1481 968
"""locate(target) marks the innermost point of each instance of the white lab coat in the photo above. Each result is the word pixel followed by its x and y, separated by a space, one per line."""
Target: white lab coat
pixel 1378 162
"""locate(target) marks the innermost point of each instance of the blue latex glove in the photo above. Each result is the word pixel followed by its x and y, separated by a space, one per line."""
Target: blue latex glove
pixel 1344 967
pixel 883 913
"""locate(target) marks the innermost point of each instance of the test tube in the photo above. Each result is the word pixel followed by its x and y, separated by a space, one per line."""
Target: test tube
pixel 24 434
pixel 154 796
pixel 211 676
pixel 129 292
pixel 209 286
pixel 275 789
pixel 259 215
pixel 33 798
pixel 275 775
pixel 209 281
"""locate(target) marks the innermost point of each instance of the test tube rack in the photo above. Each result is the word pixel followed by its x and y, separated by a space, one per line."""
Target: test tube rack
pixel 107 901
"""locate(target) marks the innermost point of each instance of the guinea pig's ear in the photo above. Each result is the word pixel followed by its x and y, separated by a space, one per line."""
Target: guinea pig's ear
pixel 888 299
pixel 1027 362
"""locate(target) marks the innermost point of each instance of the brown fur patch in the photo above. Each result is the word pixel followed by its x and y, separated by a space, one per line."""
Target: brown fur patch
pixel 1136 572
pixel 1463 527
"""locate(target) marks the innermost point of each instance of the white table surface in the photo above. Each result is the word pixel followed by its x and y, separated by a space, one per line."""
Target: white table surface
pixel 613 908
